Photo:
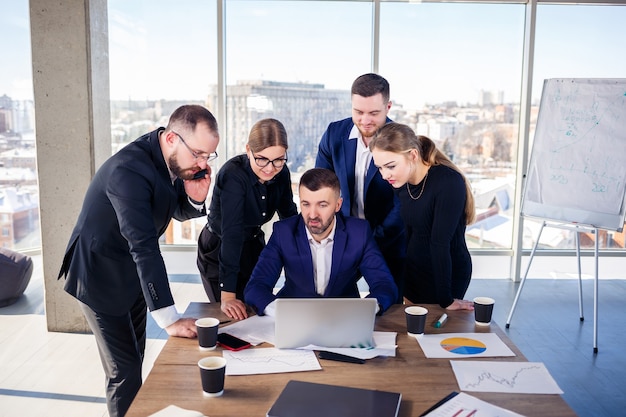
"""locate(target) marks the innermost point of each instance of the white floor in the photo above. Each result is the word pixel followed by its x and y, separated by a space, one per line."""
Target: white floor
pixel 59 374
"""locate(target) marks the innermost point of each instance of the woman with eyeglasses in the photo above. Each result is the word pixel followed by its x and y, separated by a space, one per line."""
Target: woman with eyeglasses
pixel 248 190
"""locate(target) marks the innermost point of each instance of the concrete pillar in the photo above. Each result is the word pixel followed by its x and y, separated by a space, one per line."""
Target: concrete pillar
pixel 72 109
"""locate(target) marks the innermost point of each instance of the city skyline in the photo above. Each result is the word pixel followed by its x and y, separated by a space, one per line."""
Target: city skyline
pixel 585 36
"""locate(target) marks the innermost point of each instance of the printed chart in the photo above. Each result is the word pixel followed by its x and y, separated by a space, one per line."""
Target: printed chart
pixel 463 345
pixel 269 361
pixel 465 405
pixel 511 377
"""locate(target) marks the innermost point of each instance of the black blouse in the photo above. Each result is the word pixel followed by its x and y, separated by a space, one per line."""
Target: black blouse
pixel 240 205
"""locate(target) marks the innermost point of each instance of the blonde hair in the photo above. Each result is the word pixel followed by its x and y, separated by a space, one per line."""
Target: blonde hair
pixel 399 138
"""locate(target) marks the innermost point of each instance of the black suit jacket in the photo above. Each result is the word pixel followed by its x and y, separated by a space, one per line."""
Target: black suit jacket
pixel 113 254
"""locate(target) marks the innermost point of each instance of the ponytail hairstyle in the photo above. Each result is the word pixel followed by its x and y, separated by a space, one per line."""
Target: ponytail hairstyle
pixel 266 133
pixel 400 138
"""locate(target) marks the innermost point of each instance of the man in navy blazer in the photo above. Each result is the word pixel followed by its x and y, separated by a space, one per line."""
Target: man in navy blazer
pixel 344 149
pixel 322 252
pixel 113 263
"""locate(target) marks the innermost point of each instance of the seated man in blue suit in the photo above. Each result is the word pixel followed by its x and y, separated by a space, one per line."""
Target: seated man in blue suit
pixel 323 253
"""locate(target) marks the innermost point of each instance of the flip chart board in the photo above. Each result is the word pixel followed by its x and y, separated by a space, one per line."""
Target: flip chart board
pixel 577 168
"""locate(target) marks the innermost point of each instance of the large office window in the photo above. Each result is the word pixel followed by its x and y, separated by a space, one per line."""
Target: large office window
pixel 162 55
pixel 19 193
pixel 294 61
pixel 455 71
pixel 576 41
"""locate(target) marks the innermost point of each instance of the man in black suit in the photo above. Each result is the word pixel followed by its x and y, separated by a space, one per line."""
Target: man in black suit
pixel 113 263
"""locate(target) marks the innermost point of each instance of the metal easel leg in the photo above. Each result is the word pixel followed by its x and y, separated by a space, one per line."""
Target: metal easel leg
pixel 580 281
pixel 521 285
pixel 595 297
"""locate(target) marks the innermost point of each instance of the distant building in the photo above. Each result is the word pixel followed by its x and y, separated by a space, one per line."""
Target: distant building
pixel 19 158
pixel 19 215
pixel 305 110
pixel 490 98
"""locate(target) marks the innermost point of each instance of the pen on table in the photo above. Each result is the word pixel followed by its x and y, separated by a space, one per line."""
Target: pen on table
pixel 225 321
pixel 441 320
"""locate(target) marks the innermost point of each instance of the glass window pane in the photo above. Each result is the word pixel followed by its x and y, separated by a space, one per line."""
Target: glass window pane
pixel 162 55
pixel 455 75
pixel 294 61
pixel 576 41
pixel 19 191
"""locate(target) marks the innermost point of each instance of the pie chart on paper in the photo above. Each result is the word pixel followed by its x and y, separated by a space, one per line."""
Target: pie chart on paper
pixel 463 346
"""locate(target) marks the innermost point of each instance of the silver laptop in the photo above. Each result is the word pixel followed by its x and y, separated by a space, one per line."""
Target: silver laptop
pixel 327 322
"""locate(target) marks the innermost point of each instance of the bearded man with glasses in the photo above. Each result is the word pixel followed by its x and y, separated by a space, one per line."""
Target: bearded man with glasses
pixel 113 263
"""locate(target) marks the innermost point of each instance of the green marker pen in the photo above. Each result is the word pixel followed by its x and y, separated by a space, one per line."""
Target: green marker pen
pixel 441 320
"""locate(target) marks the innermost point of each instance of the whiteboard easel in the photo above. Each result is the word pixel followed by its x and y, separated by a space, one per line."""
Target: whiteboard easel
pixel 577 170
pixel 576 229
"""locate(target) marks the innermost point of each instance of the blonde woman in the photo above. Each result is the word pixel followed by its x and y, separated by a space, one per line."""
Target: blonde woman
pixel 436 205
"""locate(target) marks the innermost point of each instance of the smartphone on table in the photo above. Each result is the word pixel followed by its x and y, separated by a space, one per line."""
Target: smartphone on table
pixel 230 342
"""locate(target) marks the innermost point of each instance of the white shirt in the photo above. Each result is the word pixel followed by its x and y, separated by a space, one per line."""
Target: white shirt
pixel 165 316
pixel 322 257
pixel 363 160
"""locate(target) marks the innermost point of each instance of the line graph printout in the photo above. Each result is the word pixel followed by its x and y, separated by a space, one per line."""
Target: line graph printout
pixel 270 361
pixel 510 377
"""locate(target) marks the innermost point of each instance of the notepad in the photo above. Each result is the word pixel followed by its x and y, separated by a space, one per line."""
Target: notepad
pixel 308 399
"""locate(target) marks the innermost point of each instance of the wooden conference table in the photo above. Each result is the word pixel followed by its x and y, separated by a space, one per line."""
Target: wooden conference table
pixel 175 378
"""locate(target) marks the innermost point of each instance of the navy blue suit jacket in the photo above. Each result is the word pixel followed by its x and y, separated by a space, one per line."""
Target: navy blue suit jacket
pixel 355 254
pixel 337 152
pixel 113 255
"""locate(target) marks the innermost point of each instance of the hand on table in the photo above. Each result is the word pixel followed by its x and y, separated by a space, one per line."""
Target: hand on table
pixel 232 307
pixel 461 305
pixel 185 327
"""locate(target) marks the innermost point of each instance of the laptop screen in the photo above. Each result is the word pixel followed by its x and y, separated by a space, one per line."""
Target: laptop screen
pixel 325 322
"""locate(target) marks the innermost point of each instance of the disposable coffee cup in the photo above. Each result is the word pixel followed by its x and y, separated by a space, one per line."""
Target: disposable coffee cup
pixel 212 373
pixel 207 332
pixel 415 320
pixel 483 309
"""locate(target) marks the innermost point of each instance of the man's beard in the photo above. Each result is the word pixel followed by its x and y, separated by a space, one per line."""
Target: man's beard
pixel 319 229
pixel 184 174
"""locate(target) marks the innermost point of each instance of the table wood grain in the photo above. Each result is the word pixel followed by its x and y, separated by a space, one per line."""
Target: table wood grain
pixel 175 377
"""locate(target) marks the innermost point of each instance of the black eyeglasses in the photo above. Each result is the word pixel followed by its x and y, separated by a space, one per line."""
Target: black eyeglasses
pixel 207 158
pixel 262 162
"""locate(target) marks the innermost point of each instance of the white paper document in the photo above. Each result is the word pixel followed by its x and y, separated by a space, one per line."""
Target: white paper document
pixel 511 377
pixel 385 345
pixel 259 329
pixel 463 345
pixel 269 361
pixel 174 411
pixel 465 405
pixel 255 329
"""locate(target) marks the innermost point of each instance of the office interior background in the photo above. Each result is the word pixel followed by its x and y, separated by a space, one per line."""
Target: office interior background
pixel 467 74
